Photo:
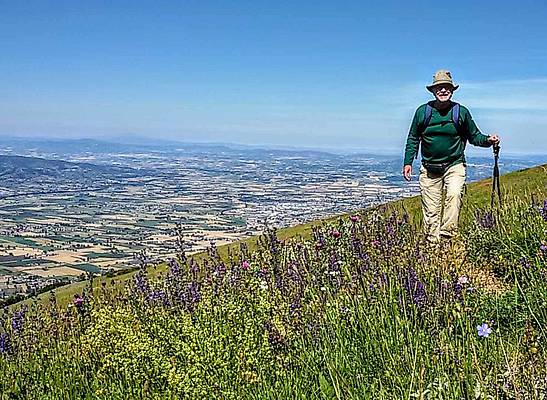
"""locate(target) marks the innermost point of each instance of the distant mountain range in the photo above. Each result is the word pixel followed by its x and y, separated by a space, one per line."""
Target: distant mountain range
pixel 20 167
pixel 64 147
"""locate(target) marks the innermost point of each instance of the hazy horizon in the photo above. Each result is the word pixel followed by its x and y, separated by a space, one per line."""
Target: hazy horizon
pixel 153 141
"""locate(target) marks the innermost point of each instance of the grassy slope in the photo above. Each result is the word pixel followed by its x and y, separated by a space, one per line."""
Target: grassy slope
pixel 523 184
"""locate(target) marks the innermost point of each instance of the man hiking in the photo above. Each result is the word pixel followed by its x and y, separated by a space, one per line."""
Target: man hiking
pixel 442 127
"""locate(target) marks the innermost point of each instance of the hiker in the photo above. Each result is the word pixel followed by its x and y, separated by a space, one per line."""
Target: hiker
pixel 442 127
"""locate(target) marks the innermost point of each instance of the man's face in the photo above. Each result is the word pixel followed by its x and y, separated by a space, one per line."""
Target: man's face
pixel 443 92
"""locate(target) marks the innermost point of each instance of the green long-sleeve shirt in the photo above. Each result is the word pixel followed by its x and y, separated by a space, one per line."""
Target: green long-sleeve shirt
pixel 441 142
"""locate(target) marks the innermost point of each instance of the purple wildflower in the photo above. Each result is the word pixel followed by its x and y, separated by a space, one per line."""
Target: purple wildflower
pixel 354 218
pixel 174 267
pixel 78 301
pixel 484 330
pixel 543 210
pixel 5 344
pixel 296 307
pixel 485 220
pixel 335 233
pixel 193 295
pixel 219 271
pixel 245 264
pixel 524 263
pixel 459 284
pixel 194 267
pixel 543 249
pixel 463 280
pixel 415 288
pixel 292 273
pixel 263 273
pixel 141 283
pixel 158 295
pixel 18 320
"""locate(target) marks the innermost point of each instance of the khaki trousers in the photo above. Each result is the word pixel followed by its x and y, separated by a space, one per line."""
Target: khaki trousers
pixel 442 221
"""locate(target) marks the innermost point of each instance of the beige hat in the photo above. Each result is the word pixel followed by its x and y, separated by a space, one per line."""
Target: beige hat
pixel 440 77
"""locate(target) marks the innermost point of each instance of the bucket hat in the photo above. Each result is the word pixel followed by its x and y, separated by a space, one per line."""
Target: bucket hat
pixel 440 77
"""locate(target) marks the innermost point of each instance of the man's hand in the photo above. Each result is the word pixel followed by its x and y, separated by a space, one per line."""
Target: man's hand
pixel 407 172
pixel 494 140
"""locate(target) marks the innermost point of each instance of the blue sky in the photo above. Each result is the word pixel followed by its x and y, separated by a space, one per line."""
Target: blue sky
pixel 314 74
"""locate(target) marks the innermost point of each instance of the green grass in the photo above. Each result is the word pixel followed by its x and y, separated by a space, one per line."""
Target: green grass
pixel 86 267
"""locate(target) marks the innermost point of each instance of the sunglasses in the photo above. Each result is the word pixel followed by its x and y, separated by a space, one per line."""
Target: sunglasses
pixel 443 88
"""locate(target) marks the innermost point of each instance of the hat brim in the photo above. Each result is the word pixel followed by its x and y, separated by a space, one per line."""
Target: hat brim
pixel 430 87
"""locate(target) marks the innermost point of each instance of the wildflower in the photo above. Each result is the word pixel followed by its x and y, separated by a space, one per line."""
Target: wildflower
pixel 543 210
pixel 174 267
pixel 462 280
pixel 245 264
pixel 524 263
pixel 157 294
pixel 484 330
pixel 458 287
pixel 543 249
pixel 5 344
pixel 262 273
pixel 486 220
pixel 17 321
pixel 194 267
pixel 336 234
pixel 295 307
pixel 354 218
pixel 194 293
pixel 78 301
pixel 220 270
pixel 415 288
pixel 263 285
pixel 376 243
pixel 292 273
pixel 141 283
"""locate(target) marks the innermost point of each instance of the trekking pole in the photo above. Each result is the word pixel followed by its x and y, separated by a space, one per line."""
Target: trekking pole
pixel 496 177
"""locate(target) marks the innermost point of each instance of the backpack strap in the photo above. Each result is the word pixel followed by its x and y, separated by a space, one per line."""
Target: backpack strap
pixel 424 124
pixel 456 116
pixel 427 116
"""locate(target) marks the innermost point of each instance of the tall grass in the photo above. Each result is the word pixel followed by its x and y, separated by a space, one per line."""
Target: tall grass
pixel 365 309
